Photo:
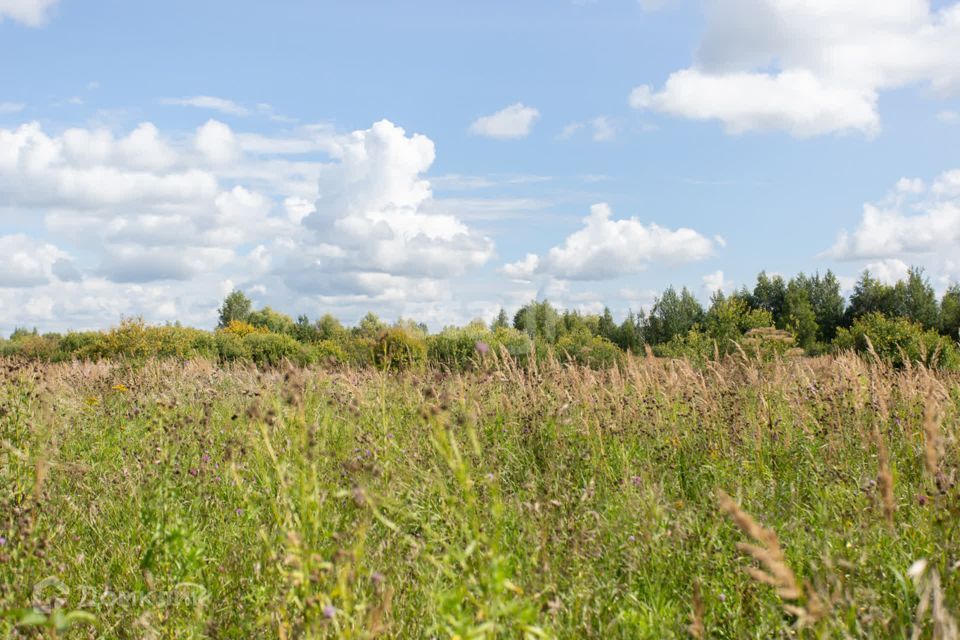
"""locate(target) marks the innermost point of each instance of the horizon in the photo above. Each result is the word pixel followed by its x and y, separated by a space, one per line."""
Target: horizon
pixel 446 162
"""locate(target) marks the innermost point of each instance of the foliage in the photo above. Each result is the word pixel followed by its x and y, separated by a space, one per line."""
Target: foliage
pixel 236 307
pixel 272 321
pixel 899 341
pixel 273 349
pixel 950 313
pixel 397 349
pixel 539 320
pixel 673 314
pixel 588 350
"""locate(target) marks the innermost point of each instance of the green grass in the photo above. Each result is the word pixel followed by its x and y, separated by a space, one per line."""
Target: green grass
pixel 180 500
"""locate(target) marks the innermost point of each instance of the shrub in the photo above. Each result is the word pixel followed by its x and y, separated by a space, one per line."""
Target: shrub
pixel 593 351
pixel 329 352
pixel 517 344
pixel 230 347
pixel 457 347
pixel 899 341
pixel 273 348
pixel 240 328
pixel 398 349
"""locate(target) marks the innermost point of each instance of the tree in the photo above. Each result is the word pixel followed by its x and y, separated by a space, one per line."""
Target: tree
pixel 538 320
pixel 730 317
pixel 768 294
pixel 271 320
pixel 869 296
pixel 630 333
pixel 798 315
pixel 950 312
pixel 606 327
pixel 916 300
pixel 329 328
pixel 672 314
pixel 827 302
pixel 236 306
pixel 370 327
pixel 502 321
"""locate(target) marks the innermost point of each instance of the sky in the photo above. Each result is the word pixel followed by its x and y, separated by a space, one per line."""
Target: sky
pixel 439 160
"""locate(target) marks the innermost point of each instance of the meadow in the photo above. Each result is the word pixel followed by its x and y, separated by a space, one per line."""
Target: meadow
pixel 809 497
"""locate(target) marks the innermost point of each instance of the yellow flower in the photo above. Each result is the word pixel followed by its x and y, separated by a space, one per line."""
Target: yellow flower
pixel 122 388
pixel 92 402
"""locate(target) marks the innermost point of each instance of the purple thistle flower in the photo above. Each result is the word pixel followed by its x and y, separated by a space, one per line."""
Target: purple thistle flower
pixel 3 541
pixel 482 347
pixel 329 611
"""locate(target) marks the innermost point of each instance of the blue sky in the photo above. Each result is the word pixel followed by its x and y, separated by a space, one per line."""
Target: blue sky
pixel 439 160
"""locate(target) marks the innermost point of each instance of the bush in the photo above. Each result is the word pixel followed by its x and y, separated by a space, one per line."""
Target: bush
pixel 397 349
pixel 592 351
pixel 273 348
pixel 230 347
pixel 899 342
pixel 457 348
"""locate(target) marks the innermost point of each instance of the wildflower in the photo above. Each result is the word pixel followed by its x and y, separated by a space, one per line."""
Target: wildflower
pixel 122 388
pixel 921 499
pixel 3 541
pixel 239 511
pixel 377 578
pixel 329 611
pixel 482 347
pixel 205 458
pixel 194 471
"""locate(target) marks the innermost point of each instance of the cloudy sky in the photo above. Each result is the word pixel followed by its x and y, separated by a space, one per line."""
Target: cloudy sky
pixel 438 159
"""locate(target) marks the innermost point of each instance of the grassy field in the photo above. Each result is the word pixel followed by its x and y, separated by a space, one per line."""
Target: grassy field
pixel 188 500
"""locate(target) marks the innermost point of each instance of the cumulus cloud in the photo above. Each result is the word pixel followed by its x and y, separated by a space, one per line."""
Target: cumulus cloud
pixel 915 219
pixel 32 13
pixel 515 121
pixel 809 68
pixel 29 262
pixel 917 223
pixel 228 107
pixel 375 205
pixel 605 248
pixel 356 229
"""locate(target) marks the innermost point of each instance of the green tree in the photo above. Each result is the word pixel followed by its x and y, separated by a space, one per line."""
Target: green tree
pixel 329 328
pixel 869 296
pixel 799 316
pixel 768 294
pixel 672 314
pixel 271 320
pixel 827 302
pixel 538 320
pixel 236 306
pixel 730 317
pixel 950 312
pixel 502 321
pixel 606 327
pixel 916 300
pixel 370 327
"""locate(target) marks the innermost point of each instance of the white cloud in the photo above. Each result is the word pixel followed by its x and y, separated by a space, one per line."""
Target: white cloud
pixel 714 282
pixel 375 204
pixel 141 210
pixel 916 224
pixel 515 121
pixel 33 13
pixel 605 249
pixel 809 68
pixel 949 116
pixel 602 129
pixel 11 107
pixel 222 105
pixel 28 262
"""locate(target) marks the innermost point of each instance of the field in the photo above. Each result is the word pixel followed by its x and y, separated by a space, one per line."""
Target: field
pixel 174 499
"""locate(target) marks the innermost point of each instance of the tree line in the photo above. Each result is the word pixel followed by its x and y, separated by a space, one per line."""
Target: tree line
pixel 809 314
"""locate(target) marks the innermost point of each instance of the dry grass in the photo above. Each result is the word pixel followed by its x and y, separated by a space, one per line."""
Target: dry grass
pixel 553 501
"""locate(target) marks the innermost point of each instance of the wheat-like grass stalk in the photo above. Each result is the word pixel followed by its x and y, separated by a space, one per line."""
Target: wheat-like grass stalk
pixel 775 571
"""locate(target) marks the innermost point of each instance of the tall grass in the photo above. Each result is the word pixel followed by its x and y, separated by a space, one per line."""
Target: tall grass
pixel 654 499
